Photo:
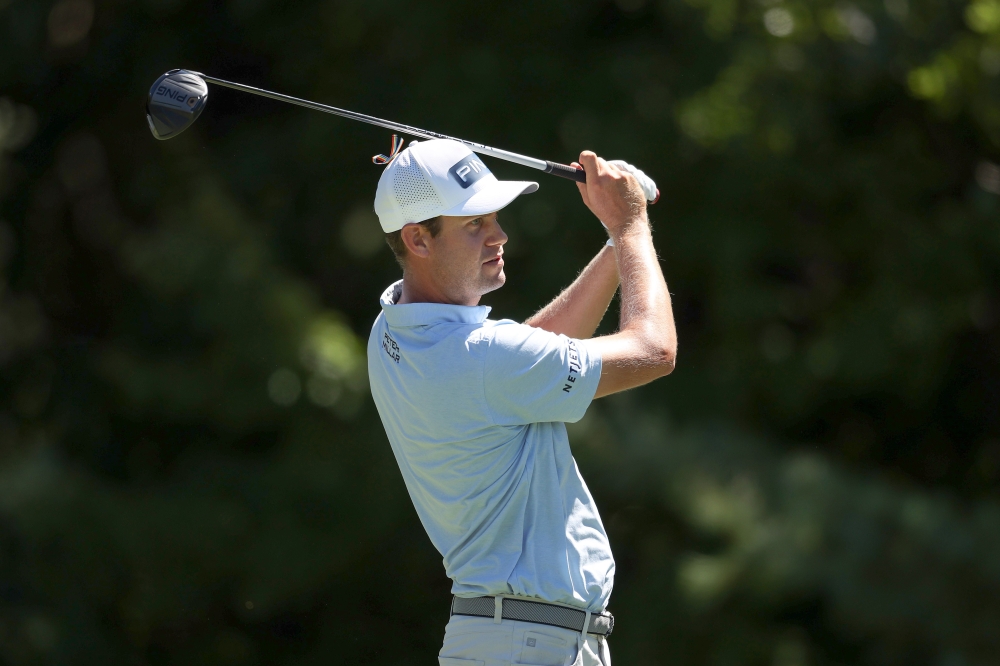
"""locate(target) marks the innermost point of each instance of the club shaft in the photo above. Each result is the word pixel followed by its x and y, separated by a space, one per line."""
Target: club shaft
pixel 556 169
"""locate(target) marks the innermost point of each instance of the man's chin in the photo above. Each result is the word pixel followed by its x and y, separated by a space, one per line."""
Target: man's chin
pixel 492 282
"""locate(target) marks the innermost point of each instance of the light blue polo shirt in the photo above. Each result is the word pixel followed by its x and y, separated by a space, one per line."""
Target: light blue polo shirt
pixel 474 410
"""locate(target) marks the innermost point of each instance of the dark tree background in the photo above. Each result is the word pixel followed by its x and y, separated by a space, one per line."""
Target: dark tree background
pixel 192 470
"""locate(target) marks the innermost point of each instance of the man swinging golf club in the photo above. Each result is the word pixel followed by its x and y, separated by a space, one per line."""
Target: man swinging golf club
pixel 474 409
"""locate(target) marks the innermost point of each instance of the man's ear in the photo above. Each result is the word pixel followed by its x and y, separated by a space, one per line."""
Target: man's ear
pixel 416 238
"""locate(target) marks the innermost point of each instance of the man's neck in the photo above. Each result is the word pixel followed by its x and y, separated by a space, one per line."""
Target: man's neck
pixel 419 289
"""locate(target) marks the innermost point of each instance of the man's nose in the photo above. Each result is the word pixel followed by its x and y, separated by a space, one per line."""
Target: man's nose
pixel 497 236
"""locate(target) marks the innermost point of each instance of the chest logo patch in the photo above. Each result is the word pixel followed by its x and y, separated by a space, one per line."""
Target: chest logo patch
pixel 390 347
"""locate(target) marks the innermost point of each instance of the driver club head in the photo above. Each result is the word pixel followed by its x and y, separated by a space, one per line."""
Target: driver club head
pixel 175 101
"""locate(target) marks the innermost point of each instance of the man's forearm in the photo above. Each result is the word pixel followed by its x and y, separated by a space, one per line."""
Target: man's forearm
pixel 645 300
pixel 578 310
pixel 645 346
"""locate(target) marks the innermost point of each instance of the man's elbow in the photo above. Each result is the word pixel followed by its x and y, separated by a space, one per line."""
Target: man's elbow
pixel 666 359
pixel 661 354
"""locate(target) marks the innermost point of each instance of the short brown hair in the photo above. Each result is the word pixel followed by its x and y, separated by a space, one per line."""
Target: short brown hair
pixel 395 239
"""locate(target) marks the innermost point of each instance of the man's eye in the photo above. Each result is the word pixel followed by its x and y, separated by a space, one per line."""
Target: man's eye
pixel 477 221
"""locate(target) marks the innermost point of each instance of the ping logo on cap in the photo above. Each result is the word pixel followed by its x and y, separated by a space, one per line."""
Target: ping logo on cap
pixel 468 171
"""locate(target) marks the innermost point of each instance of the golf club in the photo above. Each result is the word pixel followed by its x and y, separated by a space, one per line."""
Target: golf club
pixel 178 97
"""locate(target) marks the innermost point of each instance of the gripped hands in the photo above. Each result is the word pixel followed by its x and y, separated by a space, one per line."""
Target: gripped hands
pixel 613 195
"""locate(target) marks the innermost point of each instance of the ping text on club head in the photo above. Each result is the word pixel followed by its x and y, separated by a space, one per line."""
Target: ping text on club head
pixel 173 93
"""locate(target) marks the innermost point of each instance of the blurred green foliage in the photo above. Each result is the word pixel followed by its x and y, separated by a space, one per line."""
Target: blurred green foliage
pixel 192 471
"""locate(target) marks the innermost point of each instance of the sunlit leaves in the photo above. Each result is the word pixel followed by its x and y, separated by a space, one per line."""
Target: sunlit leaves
pixel 983 16
pixel 933 81
pixel 720 16
pixel 779 22
pixel 722 111
pixel 846 21
pixel 335 359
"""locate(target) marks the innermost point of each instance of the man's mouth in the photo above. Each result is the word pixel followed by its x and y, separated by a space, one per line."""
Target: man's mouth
pixel 494 261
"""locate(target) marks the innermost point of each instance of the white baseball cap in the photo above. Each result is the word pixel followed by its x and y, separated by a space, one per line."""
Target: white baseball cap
pixel 440 177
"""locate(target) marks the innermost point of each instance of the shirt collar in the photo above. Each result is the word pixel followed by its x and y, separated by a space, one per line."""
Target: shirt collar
pixel 423 314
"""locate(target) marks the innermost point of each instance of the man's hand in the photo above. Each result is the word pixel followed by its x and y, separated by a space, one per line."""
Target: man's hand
pixel 613 195
pixel 648 186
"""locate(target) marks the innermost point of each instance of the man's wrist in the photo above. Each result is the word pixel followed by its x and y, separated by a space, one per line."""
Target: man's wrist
pixel 637 225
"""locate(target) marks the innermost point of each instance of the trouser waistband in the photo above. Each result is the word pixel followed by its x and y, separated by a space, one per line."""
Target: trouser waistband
pixel 539 612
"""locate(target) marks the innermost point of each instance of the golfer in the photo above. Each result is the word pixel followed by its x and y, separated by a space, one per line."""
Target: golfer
pixel 474 408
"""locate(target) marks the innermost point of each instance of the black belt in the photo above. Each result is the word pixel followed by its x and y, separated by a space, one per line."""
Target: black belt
pixel 538 612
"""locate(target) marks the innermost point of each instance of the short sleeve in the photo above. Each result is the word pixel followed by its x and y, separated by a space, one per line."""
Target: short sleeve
pixel 534 376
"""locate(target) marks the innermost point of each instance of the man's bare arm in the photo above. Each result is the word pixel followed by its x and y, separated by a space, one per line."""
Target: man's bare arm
pixel 578 310
pixel 645 346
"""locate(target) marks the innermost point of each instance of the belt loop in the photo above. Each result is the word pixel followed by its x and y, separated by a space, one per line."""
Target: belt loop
pixel 586 625
pixel 581 642
pixel 497 609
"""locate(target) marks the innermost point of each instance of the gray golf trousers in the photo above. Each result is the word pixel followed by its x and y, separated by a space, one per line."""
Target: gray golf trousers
pixel 478 641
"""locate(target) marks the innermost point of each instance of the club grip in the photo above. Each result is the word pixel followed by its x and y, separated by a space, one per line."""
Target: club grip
pixel 579 175
pixel 566 171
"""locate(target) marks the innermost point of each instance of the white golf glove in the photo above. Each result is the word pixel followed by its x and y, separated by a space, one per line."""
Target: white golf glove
pixel 647 184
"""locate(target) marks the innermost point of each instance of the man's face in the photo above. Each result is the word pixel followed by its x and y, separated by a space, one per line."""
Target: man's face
pixel 466 257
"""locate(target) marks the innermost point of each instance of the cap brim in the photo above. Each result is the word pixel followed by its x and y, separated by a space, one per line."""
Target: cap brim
pixel 492 198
